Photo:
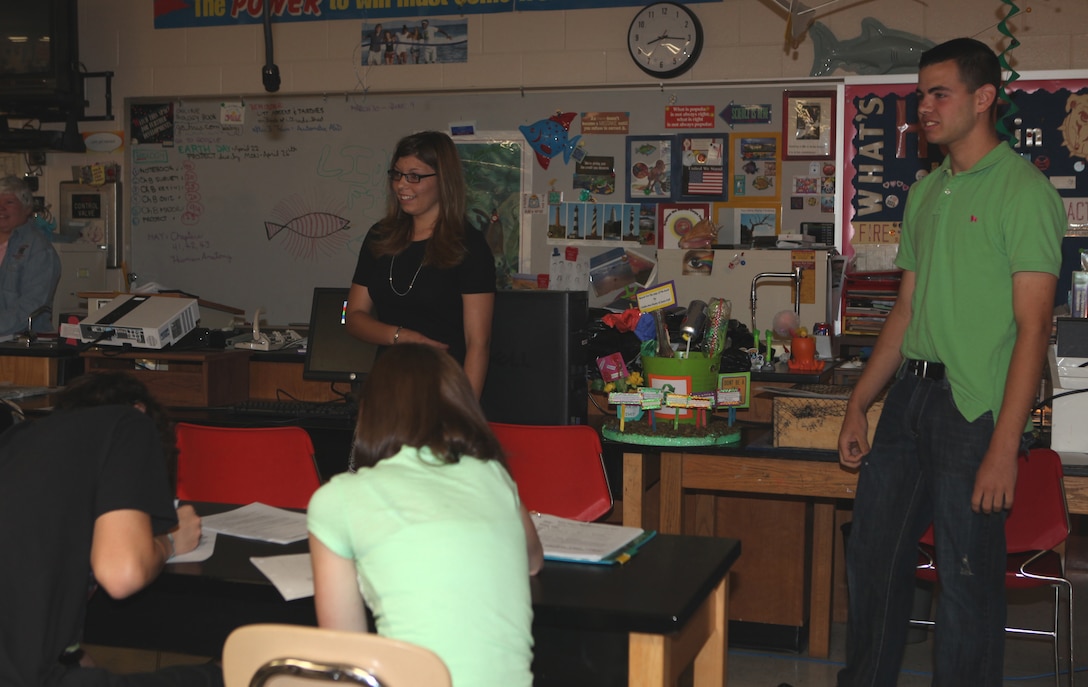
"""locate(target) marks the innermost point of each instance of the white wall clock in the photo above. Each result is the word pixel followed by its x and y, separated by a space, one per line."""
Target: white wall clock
pixel 665 39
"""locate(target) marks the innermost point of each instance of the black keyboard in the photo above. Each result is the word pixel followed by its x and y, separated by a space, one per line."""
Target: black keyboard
pixel 304 409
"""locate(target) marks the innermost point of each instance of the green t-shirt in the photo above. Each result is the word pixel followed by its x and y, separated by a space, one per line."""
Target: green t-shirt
pixel 965 235
pixel 441 558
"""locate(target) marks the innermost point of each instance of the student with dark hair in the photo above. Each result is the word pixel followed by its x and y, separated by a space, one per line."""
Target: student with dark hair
pixel 86 495
pixel 425 275
pixel 428 532
pixel 965 344
pixel 29 265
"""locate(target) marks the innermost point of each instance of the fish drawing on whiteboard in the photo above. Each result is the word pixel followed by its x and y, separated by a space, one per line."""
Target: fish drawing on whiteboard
pixel 548 137
pixel 307 232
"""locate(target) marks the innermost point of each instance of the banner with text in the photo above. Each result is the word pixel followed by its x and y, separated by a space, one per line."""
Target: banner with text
pixel 177 14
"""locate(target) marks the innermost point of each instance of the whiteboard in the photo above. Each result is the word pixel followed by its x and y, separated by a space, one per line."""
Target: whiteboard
pixel 255 201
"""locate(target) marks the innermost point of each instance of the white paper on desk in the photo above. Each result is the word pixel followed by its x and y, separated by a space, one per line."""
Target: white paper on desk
pixel 259 521
pixel 202 552
pixel 291 574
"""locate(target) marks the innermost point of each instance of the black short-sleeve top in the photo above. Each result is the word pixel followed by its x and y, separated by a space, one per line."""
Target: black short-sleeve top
pixel 427 299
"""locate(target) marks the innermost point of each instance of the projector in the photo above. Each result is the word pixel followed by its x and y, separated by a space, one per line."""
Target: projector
pixel 142 321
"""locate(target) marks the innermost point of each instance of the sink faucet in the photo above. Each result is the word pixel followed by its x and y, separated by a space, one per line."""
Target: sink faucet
pixel 794 276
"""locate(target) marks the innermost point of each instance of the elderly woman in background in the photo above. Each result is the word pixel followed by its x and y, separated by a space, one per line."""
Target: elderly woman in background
pixel 29 265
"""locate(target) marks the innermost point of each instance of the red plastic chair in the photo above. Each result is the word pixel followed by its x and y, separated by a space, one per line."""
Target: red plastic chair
pixel 241 465
pixel 1037 523
pixel 558 469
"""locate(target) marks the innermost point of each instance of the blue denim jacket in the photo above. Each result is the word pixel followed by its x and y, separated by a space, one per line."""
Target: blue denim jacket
pixel 28 279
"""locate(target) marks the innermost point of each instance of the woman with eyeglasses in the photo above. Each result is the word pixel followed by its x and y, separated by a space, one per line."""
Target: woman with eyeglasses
pixel 425 275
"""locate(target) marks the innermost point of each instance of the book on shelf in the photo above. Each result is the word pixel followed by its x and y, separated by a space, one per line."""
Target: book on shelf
pixel 573 541
pixel 867 298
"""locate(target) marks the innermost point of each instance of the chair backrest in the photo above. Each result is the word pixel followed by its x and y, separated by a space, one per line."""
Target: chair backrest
pixel 273 465
pixel 296 655
pixel 559 469
pixel 1038 520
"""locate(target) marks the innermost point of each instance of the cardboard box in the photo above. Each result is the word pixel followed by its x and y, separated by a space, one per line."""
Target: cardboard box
pixel 1067 414
pixel 815 422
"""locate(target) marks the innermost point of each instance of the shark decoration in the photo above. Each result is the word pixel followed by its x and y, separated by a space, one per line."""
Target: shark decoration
pixel 878 50
pixel 548 137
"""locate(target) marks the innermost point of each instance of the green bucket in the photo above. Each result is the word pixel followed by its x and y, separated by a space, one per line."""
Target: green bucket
pixel 685 375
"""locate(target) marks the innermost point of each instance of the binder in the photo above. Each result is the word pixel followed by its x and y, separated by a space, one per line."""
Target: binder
pixel 573 541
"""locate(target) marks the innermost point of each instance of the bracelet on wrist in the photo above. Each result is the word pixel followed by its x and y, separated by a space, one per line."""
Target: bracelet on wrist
pixel 396 335
pixel 173 548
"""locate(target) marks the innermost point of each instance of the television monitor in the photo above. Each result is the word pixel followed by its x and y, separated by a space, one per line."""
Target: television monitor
pixel 331 353
pixel 39 60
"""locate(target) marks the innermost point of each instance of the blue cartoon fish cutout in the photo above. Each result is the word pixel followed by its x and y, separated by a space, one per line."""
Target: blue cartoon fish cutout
pixel 548 137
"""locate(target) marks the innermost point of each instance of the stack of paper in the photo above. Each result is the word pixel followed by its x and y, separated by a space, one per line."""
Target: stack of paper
pixel 588 542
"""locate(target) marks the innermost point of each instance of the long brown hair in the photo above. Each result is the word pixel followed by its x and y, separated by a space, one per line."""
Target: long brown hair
pixel 417 395
pixel 394 232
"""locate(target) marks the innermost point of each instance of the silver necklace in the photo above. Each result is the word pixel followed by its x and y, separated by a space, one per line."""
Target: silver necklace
pixel 409 289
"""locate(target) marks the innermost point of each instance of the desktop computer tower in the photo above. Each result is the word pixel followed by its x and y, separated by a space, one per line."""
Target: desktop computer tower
pixel 537 372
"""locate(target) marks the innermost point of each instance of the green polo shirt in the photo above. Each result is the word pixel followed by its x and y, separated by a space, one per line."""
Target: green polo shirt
pixel 965 235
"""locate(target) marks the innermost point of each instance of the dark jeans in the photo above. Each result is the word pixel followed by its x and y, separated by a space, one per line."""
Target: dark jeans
pixel 922 469
pixel 201 675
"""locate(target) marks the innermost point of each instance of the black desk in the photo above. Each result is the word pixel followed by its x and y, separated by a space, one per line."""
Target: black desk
pixel 670 600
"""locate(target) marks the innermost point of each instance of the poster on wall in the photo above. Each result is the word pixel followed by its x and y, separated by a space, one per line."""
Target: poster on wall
pixel 808 125
pixel 754 162
pixel 702 167
pixel 498 170
pixel 649 168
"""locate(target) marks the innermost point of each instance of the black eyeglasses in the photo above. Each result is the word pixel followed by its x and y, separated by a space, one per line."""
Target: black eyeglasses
pixel 410 177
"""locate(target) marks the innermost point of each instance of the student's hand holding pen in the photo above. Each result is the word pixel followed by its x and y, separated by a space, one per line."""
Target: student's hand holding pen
pixel 187 535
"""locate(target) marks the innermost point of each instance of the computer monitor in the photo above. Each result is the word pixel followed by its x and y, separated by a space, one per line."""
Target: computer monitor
pixel 331 353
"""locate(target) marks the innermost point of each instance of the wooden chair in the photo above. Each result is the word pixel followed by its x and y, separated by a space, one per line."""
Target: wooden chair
pixel 1036 525
pixel 296 656
pixel 558 469
pixel 272 465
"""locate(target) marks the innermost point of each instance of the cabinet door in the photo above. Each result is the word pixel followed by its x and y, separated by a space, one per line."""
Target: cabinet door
pixel 82 268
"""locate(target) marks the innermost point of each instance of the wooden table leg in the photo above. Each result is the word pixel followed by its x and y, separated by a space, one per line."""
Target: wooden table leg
pixel 711 663
pixel 648 660
pixel 672 493
pixel 823 552
pixel 658 660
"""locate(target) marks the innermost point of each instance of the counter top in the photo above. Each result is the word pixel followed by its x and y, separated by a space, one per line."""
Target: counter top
pixel 49 349
pixel 783 373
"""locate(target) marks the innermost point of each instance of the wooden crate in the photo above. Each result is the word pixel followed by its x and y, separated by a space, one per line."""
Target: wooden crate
pixel 815 422
pixel 192 379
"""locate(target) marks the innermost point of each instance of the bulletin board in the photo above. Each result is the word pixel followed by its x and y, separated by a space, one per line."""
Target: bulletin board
pixel 253 201
pixel 885 153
